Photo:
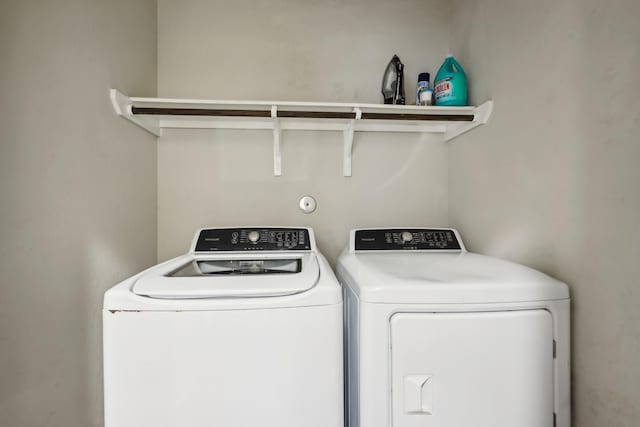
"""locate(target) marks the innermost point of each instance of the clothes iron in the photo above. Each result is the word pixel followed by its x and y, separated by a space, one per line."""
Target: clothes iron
pixel 393 82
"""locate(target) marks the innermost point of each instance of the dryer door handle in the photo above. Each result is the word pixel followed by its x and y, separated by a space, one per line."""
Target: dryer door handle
pixel 418 394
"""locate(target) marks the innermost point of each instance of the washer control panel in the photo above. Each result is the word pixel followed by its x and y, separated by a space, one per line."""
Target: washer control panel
pixel 393 239
pixel 253 239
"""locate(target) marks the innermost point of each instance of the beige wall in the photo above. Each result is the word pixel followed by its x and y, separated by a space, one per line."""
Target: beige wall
pixel 303 51
pixel 552 181
pixel 77 196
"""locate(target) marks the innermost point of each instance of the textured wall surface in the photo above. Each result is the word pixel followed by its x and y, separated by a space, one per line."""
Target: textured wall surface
pixel 77 196
pixel 552 181
pixel 304 51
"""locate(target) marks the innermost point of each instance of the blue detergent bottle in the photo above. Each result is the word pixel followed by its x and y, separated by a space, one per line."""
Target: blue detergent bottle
pixel 450 84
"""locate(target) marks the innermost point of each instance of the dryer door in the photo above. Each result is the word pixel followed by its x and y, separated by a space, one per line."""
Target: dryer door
pixel 488 369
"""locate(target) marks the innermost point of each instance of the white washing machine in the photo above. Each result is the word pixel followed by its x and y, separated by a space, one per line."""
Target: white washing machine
pixel 244 330
pixel 440 337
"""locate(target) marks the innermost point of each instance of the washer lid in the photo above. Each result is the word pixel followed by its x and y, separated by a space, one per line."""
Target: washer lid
pixel 441 278
pixel 231 276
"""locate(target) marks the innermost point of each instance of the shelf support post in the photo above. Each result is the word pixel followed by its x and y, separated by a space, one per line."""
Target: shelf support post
pixel 348 142
pixel 277 156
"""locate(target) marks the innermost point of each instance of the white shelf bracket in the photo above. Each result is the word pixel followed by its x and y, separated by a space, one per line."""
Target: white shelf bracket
pixel 348 142
pixel 122 106
pixel 481 116
pixel 277 156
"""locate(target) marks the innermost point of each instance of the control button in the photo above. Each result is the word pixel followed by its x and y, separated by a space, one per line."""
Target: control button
pixel 253 236
pixel 406 236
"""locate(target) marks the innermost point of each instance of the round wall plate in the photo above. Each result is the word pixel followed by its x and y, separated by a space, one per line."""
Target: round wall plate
pixel 307 204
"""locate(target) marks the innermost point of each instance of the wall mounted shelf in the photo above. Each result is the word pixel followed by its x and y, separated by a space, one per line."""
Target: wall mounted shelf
pixel 155 114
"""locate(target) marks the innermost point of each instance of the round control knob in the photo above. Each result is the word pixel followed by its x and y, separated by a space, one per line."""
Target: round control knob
pixel 253 236
pixel 406 236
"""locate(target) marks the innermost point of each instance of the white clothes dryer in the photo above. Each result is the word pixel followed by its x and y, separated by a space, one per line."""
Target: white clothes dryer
pixel 440 337
pixel 244 330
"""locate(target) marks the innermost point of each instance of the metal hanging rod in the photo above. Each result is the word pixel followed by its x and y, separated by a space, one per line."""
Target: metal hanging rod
pixel 215 112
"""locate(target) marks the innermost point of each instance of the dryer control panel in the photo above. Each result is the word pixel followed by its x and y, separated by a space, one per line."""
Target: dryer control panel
pixel 253 239
pixel 393 239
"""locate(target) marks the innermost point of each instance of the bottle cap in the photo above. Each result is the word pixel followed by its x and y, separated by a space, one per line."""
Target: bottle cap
pixel 423 77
